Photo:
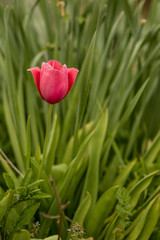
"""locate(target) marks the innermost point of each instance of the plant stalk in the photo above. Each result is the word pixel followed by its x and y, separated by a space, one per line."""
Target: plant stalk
pixel 46 140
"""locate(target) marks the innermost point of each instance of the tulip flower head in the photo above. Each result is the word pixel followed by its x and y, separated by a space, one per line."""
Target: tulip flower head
pixel 53 80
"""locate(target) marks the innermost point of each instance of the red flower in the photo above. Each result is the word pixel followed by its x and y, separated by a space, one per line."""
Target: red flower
pixel 53 80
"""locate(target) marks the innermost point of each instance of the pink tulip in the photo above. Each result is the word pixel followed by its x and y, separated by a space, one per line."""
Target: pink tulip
pixel 53 80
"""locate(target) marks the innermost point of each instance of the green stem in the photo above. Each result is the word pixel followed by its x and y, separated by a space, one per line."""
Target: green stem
pixel 28 144
pixel 46 140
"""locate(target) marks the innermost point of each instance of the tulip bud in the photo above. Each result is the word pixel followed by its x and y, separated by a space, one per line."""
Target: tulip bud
pixel 53 80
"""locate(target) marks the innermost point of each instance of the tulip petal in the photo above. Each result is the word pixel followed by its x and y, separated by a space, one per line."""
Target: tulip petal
pixel 36 75
pixel 72 74
pixel 65 70
pixel 44 67
pixel 54 85
pixel 55 64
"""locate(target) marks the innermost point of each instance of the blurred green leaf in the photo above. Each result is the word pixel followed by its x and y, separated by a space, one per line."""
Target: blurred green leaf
pixel 66 182
pixel 101 211
pixel 4 204
pixel 153 150
pixel 82 209
pixel 151 221
pixel 123 175
pixel 27 178
pixel 95 148
pixel 26 216
pixel 140 187
pixel 138 225
pixel 55 237
pixel 23 234
pixel 10 183
pixel 28 144
pixel 110 228
pixel 52 144
pixel 129 15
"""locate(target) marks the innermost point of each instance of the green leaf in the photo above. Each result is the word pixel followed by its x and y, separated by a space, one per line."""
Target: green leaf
pixel 27 178
pixel 33 109
pixel 55 237
pixel 12 218
pixel 52 144
pixel 58 171
pixel 28 143
pixel 35 184
pixel 41 195
pixel 95 148
pixel 68 152
pixel 118 153
pixel 4 203
pixel 73 165
pixel 1 193
pixel 75 189
pixel 140 187
pixel 129 15
pixel 82 209
pixel 66 183
pixel 132 104
pixel 151 154
pixel 123 175
pixel 111 227
pixel 85 77
pixel 26 216
pixel 151 220
pixel 13 134
pixel 139 224
pixel 9 170
pixel 37 57
pixel 23 234
pixel 10 183
pixel 44 183
pixel 101 211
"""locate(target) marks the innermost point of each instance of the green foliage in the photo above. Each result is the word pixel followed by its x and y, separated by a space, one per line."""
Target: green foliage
pixel 23 234
pixel 18 206
pixel 101 211
pixel 103 146
pixel 138 229
pixel 123 207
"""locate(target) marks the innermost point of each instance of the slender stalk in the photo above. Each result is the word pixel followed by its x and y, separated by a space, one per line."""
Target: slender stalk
pixel 46 140
pixel 28 144
pixel 55 217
